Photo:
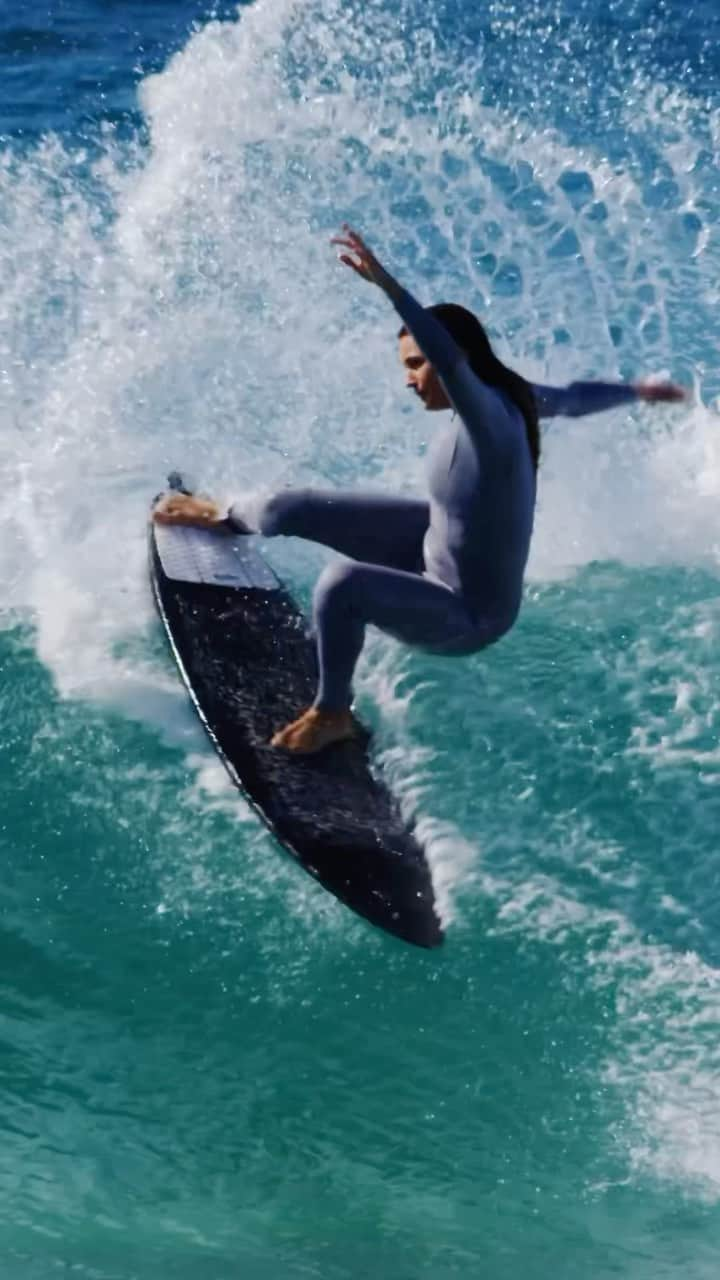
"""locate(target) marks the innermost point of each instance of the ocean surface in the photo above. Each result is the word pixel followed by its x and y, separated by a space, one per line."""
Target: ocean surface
pixel 209 1069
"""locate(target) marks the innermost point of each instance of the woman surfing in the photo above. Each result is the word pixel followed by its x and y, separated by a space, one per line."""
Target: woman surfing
pixel 446 574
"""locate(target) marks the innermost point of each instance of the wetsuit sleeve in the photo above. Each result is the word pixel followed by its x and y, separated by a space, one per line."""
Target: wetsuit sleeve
pixel 480 407
pixel 581 398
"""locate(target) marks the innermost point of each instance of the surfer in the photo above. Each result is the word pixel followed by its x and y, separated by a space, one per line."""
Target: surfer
pixel 444 575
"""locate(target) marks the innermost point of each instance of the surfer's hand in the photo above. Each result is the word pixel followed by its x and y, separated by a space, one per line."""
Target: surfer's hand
pixel 362 259
pixel 183 508
pixel 661 392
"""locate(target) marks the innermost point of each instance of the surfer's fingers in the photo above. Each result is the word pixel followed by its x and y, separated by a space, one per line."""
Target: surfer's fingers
pixel 352 240
pixel 356 266
pixel 355 236
pixel 661 392
pixel 362 254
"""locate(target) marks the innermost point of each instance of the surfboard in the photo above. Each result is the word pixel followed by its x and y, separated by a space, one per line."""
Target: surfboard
pixel 243 650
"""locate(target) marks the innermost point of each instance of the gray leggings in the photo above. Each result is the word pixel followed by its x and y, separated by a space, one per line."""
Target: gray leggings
pixel 381 583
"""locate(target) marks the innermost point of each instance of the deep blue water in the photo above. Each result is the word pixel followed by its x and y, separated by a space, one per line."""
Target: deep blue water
pixel 67 66
pixel 208 1068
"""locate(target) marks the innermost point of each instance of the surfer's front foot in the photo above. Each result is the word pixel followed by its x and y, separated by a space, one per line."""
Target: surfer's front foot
pixel 316 729
pixel 185 508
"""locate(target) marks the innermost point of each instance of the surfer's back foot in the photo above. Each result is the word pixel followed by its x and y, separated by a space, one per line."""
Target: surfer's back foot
pixel 316 729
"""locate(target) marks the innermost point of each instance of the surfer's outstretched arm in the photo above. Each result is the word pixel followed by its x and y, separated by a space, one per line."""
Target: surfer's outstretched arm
pixel 580 398
pixel 465 390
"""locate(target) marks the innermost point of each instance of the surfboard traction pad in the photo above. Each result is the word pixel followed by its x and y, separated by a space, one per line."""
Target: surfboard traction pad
pixel 244 653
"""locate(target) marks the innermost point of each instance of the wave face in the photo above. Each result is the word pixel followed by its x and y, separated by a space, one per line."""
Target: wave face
pixel 209 1067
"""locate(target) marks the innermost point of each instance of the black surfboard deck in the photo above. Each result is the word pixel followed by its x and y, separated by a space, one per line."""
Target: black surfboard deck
pixel 242 648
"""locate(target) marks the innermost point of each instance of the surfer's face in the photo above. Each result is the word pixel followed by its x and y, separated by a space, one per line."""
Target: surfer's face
pixel 421 376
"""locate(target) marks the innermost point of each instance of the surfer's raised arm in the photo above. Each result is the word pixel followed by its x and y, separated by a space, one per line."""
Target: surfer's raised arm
pixel 442 338
pixel 437 343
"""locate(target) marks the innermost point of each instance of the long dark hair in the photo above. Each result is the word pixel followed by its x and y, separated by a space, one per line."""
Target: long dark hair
pixel 469 334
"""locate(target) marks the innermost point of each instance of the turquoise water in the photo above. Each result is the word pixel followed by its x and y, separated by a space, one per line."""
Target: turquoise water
pixel 209 1068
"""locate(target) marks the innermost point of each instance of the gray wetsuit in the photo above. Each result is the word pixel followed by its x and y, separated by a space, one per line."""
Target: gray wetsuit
pixel 444 574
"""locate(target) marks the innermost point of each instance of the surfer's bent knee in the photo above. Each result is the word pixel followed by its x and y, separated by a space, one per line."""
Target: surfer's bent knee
pixel 282 512
pixel 335 580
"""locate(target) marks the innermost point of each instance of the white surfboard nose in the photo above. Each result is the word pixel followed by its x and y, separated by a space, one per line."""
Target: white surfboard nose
pixel 212 556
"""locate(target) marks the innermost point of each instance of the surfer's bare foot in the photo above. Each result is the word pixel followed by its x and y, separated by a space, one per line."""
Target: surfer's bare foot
pixel 316 729
pixel 185 508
